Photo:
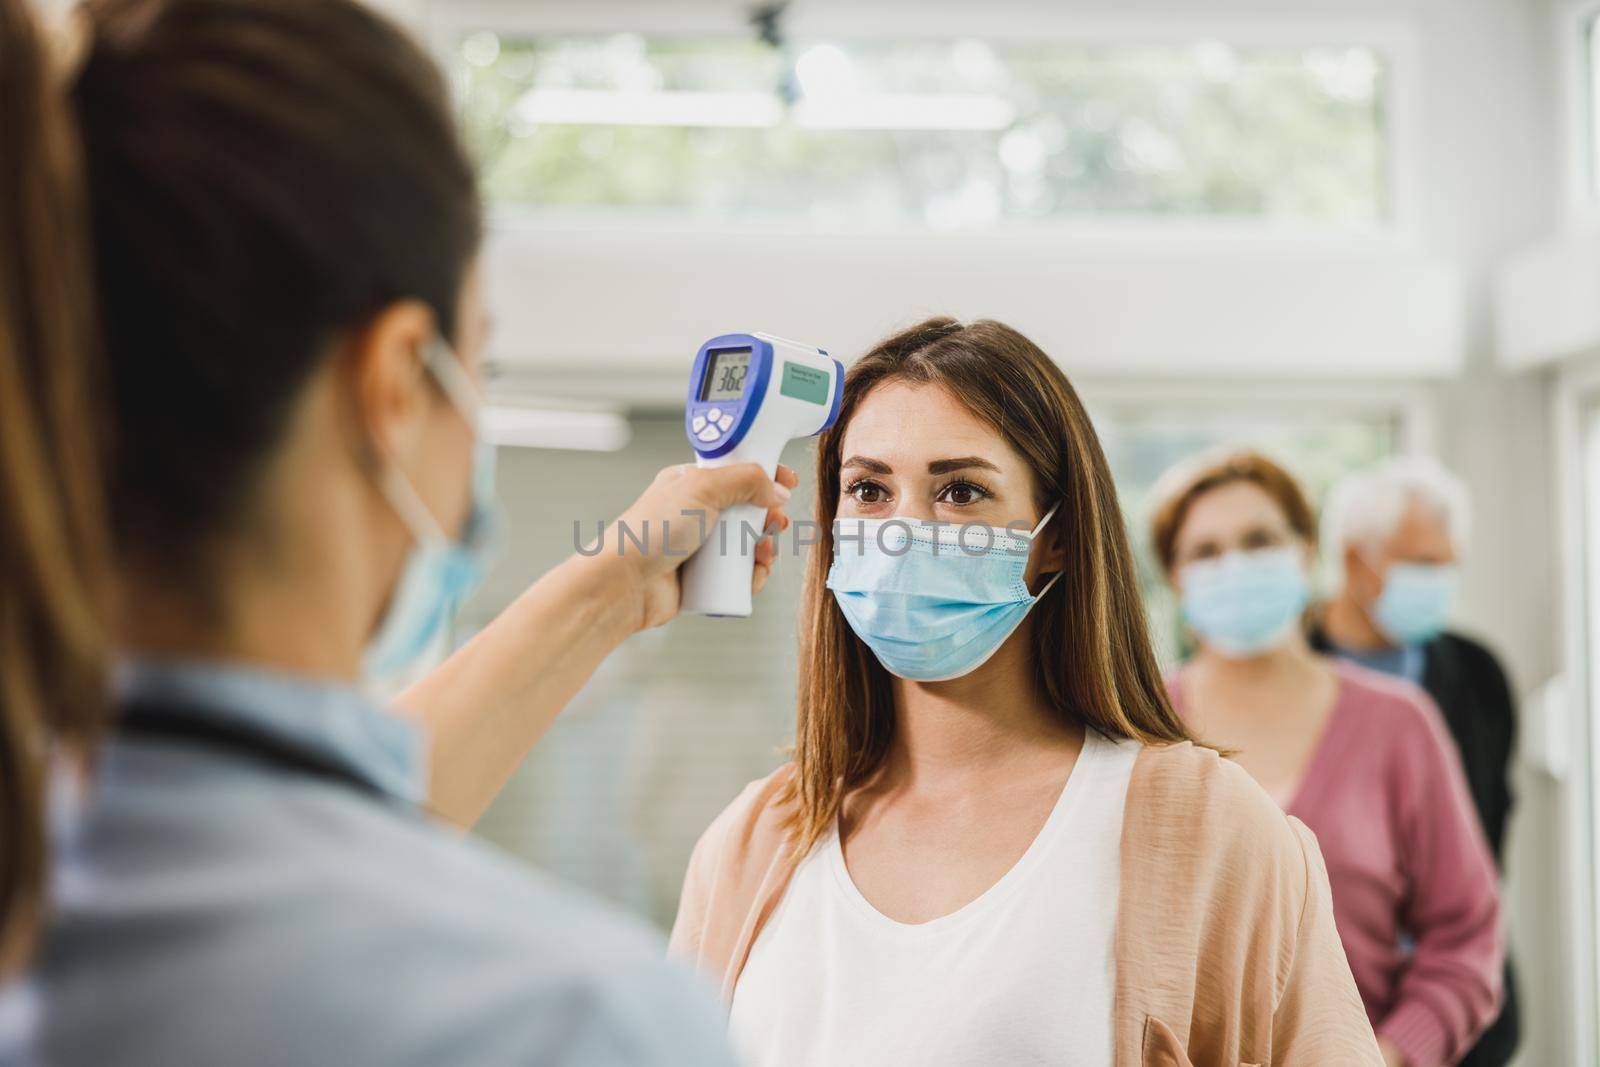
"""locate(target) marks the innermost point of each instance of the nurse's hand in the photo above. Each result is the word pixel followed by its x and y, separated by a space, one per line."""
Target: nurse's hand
pixel 678 510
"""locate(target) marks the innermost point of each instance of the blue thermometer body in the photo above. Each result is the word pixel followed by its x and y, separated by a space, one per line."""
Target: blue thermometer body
pixel 750 394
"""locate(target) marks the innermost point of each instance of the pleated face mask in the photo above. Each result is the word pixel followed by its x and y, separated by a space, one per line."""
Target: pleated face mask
pixel 932 600
pixel 1245 603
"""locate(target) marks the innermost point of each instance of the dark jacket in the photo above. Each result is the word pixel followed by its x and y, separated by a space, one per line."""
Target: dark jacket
pixel 1472 692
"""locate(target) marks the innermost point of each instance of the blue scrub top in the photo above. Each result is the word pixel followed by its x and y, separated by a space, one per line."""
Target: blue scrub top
pixel 1407 661
pixel 216 907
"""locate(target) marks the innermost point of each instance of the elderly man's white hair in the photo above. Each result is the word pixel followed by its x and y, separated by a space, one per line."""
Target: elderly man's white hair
pixel 1366 508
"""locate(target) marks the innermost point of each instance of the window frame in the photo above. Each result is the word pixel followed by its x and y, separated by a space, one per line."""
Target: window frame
pixel 1574 406
pixel 1574 25
pixel 1394 38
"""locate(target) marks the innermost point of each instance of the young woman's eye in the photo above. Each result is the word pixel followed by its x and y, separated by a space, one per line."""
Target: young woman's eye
pixel 962 493
pixel 867 492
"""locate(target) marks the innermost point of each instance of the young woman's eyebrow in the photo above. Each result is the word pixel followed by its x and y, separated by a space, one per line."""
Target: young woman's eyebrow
pixel 876 466
pixel 961 463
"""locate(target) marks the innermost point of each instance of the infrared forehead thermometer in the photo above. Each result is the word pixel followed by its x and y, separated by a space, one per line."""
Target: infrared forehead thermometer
pixel 749 395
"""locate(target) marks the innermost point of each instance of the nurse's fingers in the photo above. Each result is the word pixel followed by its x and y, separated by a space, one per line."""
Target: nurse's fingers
pixel 767 550
pixel 766 555
pixel 776 522
pixel 720 488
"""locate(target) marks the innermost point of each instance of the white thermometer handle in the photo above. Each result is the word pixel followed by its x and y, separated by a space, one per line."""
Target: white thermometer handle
pixel 716 579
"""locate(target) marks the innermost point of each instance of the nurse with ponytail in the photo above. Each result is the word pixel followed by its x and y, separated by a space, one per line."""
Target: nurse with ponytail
pixel 242 474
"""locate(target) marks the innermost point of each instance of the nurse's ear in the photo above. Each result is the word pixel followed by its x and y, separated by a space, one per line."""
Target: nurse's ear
pixel 388 384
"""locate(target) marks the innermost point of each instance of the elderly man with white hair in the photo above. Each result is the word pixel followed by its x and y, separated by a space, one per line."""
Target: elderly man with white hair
pixel 1398 531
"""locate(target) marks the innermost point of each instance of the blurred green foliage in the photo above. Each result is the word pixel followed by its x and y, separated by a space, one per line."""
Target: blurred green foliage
pixel 1273 133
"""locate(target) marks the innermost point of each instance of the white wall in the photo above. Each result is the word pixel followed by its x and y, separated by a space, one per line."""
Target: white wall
pixel 1108 305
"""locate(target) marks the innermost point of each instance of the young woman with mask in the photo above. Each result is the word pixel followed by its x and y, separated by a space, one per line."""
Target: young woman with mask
pixel 996 842
pixel 1362 759
pixel 248 226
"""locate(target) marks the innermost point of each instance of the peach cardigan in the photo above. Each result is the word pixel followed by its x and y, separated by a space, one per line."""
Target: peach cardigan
pixel 1225 946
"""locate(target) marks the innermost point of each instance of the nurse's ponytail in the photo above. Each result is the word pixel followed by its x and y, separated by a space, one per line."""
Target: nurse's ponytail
pixel 53 556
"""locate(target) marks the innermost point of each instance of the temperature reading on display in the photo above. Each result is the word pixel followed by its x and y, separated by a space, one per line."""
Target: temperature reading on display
pixel 725 373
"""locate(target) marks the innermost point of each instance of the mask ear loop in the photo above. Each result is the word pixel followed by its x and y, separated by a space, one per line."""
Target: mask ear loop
pixel 1033 536
pixel 1047 517
pixel 1040 594
pixel 446 369
pixel 403 497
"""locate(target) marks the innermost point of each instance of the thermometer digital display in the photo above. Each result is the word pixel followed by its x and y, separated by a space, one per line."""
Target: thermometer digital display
pixel 749 395
pixel 725 372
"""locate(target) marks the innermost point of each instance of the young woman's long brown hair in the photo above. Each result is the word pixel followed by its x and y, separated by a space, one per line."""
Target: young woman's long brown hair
pixel 1091 648
pixel 53 558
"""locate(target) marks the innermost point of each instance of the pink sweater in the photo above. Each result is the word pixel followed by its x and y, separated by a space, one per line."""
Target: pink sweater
pixel 1415 896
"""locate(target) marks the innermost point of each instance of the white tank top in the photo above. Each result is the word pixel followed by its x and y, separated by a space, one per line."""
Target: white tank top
pixel 1022 975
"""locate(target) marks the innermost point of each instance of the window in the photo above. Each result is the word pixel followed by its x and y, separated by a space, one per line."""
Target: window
pixel 943 134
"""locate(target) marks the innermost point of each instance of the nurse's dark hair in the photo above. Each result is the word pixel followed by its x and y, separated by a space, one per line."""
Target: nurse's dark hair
pixel 193 213
pixel 1092 657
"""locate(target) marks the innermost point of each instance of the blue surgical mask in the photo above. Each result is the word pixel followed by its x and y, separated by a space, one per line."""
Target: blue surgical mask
pixel 440 571
pixel 932 600
pixel 1245 603
pixel 1415 603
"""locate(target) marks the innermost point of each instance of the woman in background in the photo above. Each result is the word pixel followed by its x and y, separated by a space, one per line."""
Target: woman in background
pixel 252 219
pixel 1362 759
pixel 996 843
